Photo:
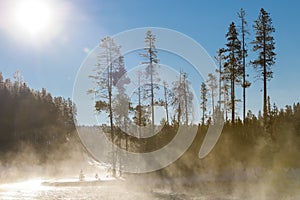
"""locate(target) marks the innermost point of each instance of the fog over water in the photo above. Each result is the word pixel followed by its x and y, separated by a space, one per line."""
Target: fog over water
pixel 61 181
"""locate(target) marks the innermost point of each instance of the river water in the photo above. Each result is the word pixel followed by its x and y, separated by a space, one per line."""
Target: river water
pixel 36 189
pixel 33 190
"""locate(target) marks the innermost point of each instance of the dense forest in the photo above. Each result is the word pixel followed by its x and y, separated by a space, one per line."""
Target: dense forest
pixel 32 118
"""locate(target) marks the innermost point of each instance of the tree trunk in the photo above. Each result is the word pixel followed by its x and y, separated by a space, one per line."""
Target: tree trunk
pixel 220 83
pixel 166 103
pixel 203 113
pixel 111 114
pixel 244 70
pixel 186 101
pixel 265 79
pixel 213 102
pixel 152 95
pixel 232 103
pixel 233 96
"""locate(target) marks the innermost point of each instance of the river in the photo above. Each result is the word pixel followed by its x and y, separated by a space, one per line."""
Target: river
pixel 40 189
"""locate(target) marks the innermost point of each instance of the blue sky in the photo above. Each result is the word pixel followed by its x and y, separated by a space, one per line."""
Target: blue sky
pixel 52 60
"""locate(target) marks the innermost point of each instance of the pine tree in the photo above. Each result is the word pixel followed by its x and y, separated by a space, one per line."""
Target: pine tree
pixel 264 46
pixel 232 67
pixel 243 30
pixel 107 74
pixel 203 100
pixel 220 58
pixel 151 62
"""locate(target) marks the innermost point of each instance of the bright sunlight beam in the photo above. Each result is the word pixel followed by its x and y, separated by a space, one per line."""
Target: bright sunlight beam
pixel 34 17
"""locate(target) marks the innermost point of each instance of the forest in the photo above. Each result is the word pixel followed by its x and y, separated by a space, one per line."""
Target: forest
pixel 32 118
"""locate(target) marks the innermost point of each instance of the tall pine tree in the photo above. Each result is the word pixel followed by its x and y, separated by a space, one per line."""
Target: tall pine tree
pixel 243 32
pixel 151 61
pixel 233 68
pixel 203 100
pixel 264 46
pixel 220 58
pixel 108 71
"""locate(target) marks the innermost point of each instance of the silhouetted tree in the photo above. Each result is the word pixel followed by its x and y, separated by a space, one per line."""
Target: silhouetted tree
pixel 203 100
pixel 264 46
pixel 220 58
pixel 243 32
pixel 233 68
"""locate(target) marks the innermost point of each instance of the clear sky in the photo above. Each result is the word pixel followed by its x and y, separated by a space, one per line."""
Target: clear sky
pixel 50 56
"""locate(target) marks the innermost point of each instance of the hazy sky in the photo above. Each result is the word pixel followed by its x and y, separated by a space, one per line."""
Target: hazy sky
pixel 50 57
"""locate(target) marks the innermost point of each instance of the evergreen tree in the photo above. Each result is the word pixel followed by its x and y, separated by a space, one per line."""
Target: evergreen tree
pixel 233 69
pixel 243 32
pixel 220 58
pixel 203 100
pixel 107 74
pixel 151 61
pixel 264 46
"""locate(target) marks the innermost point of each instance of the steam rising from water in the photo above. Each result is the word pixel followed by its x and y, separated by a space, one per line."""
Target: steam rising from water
pixel 215 177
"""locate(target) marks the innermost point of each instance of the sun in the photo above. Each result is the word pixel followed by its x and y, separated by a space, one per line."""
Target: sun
pixel 34 17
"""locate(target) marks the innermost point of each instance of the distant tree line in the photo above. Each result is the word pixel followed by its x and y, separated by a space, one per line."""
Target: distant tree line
pixel 33 117
pixel 246 145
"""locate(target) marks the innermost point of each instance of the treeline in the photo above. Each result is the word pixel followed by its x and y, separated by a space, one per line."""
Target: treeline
pixel 33 118
pixel 246 147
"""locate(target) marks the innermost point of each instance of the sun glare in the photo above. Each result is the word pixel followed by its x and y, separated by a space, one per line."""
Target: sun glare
pixel 34 16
